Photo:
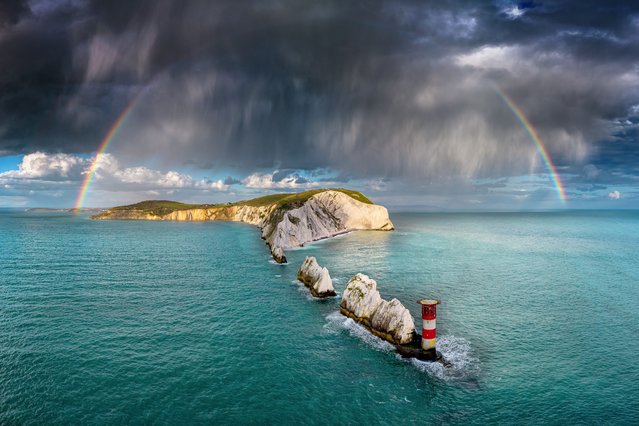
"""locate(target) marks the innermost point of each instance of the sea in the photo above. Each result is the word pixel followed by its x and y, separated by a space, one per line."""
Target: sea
pixel 134 322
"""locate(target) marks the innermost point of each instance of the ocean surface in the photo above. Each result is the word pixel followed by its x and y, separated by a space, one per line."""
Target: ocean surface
pixel 111 322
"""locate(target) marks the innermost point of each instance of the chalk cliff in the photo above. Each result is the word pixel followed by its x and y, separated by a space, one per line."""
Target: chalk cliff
pixel 389 320
pixel 316 278
pixel 322 216
pixel 286 220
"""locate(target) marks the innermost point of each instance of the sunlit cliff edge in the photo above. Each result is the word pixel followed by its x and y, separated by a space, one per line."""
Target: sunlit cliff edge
pixel 286 220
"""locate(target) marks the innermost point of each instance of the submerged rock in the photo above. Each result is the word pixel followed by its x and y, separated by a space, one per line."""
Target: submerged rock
pixel 316 278
pixel 389 320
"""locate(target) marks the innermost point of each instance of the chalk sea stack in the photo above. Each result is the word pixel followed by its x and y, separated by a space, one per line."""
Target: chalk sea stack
pixel 316 278
pixel 278 254
pixel 389 320
pixel 286 220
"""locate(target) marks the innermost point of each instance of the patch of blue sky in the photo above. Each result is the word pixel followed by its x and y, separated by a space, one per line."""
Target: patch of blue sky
pixel 9 162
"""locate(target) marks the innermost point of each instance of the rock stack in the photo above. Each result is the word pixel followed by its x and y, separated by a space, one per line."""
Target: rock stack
pixel 389 320
pixel 316 278
pixel 361 301
pixel 278 254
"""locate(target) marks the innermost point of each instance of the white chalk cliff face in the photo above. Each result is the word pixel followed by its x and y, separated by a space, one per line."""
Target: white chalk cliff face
pixel 316 278
pixel 389 320
pixel 322 215
pixel 325 215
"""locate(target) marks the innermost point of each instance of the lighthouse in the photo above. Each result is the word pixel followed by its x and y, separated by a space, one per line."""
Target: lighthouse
pixel 429 330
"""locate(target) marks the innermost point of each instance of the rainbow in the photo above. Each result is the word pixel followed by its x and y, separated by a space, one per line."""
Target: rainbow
pixel 540 146
pixel 108 138
pixel 103 146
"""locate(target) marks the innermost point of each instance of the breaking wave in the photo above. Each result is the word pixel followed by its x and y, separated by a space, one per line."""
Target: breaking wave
pixel 337 322
pixel 458 360
pixel 457 355
pixel 307 293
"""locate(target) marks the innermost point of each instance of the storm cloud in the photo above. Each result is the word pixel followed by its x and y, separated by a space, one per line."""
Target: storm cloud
pixel 366 88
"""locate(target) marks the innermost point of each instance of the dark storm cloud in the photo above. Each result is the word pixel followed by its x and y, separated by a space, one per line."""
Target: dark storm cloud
pixel 12 10
pixel 368 88
pixel 229 180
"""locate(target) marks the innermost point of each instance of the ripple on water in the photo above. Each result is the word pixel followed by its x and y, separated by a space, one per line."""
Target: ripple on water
pixel 155 322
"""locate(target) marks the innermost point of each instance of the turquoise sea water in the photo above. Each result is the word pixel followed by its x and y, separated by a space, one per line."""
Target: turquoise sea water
pixel 174 323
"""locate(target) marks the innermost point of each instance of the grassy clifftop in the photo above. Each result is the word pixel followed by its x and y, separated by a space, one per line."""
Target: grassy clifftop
pixel 160 207
pixel 299 198
pixel 285 200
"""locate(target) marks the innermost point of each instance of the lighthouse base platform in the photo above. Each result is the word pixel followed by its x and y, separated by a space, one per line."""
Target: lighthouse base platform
pixel 409 351
pixel 414 350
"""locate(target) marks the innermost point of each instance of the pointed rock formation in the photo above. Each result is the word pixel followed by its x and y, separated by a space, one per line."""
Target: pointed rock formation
pixel 389 320
pixel 316 278
pixel 278 254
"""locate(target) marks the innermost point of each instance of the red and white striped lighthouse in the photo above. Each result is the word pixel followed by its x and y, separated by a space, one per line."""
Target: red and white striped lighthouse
pixel 429 316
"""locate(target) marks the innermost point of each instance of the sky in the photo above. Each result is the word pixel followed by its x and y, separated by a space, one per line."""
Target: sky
pixel 421 105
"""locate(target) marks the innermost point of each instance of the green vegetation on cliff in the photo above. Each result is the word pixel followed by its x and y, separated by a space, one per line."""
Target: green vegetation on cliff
pixel 286 201
pixel 298 198
pixel 160 207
